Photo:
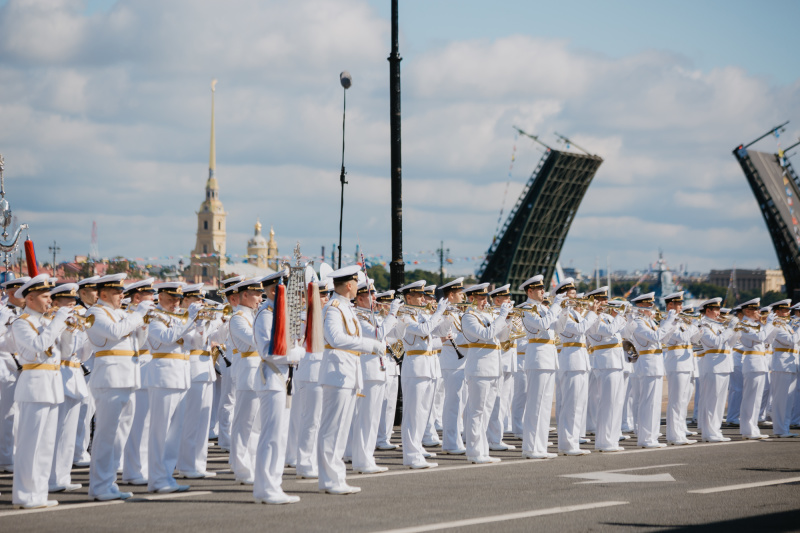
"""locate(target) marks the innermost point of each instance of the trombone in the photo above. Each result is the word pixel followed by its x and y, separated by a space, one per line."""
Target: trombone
pixel 163 316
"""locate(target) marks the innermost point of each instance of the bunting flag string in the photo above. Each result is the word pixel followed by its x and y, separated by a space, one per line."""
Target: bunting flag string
pixel 787 187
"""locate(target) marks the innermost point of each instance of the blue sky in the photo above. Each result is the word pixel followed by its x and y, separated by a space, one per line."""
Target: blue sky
pixel 107 111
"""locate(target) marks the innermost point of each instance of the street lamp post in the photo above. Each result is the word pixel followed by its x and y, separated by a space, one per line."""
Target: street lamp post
pixel 397 266
pixel 346 80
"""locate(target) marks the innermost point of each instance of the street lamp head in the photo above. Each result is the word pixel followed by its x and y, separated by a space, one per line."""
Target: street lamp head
pixel 345 79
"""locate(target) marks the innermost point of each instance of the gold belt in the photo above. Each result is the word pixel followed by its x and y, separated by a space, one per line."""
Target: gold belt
pixel 425 352
pixel 481 345
pixel 104 353
pixel 162 355
pixel 726 352
pixel 41 366
pixel 541 341
pixel 678 347
pixel 604 347
pixel 329 347
pixel 199 352
pixel 573 345
pixel 648 352
pixel 786 350
pixel 70 364
pixel 143 352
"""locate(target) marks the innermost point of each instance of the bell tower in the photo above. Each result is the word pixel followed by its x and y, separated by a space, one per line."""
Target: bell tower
pixel 208 256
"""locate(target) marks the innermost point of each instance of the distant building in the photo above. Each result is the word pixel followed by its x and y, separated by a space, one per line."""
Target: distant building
pixel 763 281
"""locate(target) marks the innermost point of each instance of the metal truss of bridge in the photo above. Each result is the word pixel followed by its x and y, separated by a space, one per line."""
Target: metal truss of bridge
pixel 534 232
pixel 777 190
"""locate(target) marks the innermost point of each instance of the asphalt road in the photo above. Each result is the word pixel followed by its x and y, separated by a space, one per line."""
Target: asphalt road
pixel 756 483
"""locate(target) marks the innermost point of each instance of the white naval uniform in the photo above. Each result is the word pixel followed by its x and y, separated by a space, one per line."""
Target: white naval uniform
pixel 646 336
pixel 170 377
pixel 367 413
pixel 735 388
pixel 72 345
pixel 193 452
pixel 246 427
pixel 114 378
pixel 430 437
pixel 227 388
pixel 483 333
pixel 518 395
pixel 417 374
pixel 9 373
pixel 272 375
pixel 500 409
pixel 307 402
pixel 605 344
pixel 540 365
pixel 679 364
pixel 389 405
pixel 453 383
pixel 340 376
pixel 137 428
pixel 573 377
pixel 755 365
pixel 716 366
pixel 784 367
pixel 39 391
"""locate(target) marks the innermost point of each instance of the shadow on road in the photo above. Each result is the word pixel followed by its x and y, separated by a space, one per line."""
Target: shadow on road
pixel 777 522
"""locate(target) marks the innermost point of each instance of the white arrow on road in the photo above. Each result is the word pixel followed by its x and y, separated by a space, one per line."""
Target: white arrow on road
pixel 614 476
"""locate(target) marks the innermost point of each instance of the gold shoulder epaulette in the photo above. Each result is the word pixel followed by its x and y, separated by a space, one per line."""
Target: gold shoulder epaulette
pixel 335 303
pixel 24 315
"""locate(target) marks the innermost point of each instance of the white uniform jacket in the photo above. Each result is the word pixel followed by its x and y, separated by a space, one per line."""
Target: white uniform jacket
pixel 418 332
pixel 75 349
pixel 449 360
pixel 538 320
pixel 605 342
pixel 754 353
pixel 371 363
pixel 201 367
pixel 36 340
pixel 344 345
pixel 169 368
pixel 784 341
pixel 245 351
pixel 116 364
pixel 647 337
pixel 483 333
pixel 392 368
pixel 678 352
pixel 572 328
pixel 716 340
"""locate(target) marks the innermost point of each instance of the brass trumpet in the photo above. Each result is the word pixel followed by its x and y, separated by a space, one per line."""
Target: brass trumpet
pixel 74 321
pixel 160 314
pixel 210 312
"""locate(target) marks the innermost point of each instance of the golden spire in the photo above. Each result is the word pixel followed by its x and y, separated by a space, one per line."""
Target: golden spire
pixel 212 160
pixel 258 226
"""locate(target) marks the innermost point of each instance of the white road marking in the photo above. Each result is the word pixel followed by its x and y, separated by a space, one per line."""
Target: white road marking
pixel 615 476
pixel 134 499
pixel 726 488
pixel 502 517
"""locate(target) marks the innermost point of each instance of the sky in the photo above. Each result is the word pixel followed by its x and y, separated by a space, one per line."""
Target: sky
pixel 106 112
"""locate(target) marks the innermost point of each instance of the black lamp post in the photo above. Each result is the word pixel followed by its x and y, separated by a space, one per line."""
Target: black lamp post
pixel 346 80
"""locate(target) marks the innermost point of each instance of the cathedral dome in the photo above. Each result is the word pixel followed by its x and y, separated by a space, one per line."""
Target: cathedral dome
pixel 258 240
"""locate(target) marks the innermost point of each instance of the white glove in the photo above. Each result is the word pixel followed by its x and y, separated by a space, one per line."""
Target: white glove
pixel 193 309
pixel 6 314
pixel 735 320
pixel 395 307
pixel 505 309
pixel 559 299
pixel 440 309
pixel 62 314
pixel 144 306
pixel 671 314
pixel 770 318
pixel 378 347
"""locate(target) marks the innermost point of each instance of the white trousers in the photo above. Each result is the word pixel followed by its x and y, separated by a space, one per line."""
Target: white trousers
pixel 481 393
pixel 650 389
pixel 245 432
pixel 134 464
pixel 293 428
pixel 84 435
pixel 388 409
pixel 539 406
pixel 35 441
pixel 752 393
pixel 67 426
pixel 271 449
pixel 227 401
pixel 590 422
pixel 497 418
pixel 678 384
pixel 698 401
pixel 124 429
pixel 574 387
pixel 796 409
pixel 365 423
pixel 783 390
pixel 609 398
pixel 193 451
pixel 417 398
pixel 766 400
pixel 167 411
pixel 430 434
pixel 518 401
pixel 713 389
pixel 628 411
pixel 8 411
pixel 735 396
pixel 109 405
pixel 216 387
pixel 453 409
pixel 308 403
pixel 337 414
pixel 438 404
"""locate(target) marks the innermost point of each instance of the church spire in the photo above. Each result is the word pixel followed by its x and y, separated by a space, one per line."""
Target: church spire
pixel 212 159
